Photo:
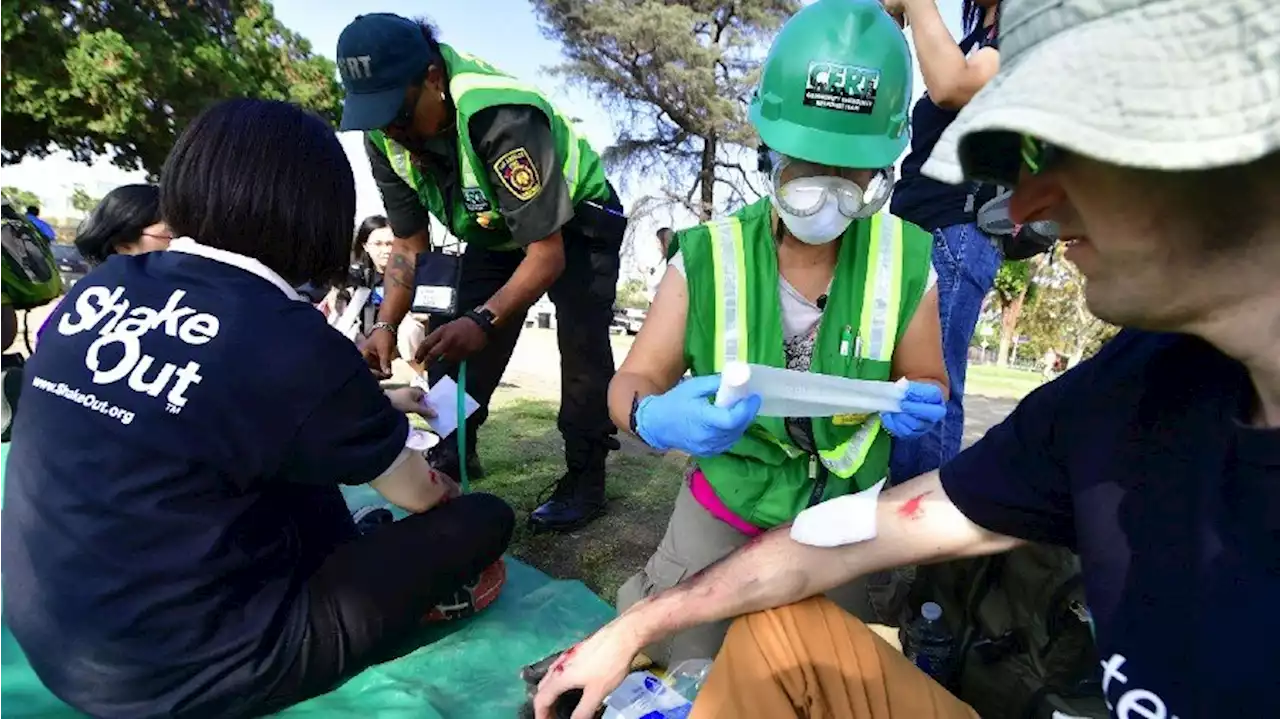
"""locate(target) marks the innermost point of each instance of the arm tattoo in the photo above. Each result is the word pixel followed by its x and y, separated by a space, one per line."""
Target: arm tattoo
pixel 400 270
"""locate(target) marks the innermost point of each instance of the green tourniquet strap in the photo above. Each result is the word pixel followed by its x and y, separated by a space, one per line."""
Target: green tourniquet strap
pixel 462 426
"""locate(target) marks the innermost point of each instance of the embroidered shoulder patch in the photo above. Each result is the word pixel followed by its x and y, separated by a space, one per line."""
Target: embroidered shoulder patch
pixel 518 174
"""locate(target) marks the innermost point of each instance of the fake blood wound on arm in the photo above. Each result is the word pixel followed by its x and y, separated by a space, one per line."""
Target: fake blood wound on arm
pixel 912 509
pixel 564 659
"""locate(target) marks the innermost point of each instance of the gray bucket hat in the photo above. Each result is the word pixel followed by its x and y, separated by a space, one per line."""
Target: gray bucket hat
pixel 1155 84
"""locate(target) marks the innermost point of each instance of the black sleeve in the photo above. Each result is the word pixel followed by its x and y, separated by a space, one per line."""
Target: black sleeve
pixel 351 437
pixel 405 212
pixel 1014 481
pixel 519 154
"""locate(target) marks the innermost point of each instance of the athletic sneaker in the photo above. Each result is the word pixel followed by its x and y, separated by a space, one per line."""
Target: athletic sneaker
pixel 473 596
pixel 371 517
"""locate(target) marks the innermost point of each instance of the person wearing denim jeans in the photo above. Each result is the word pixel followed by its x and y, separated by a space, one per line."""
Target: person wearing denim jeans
pixel 965 258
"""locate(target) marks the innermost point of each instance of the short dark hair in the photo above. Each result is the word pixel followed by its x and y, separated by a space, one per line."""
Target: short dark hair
pixel 118 219
pixel 33 210
pixel 429 33
pixel 366 228
pixel 267 180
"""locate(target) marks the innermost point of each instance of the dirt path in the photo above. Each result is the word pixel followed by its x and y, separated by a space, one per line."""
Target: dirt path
pixel 534 370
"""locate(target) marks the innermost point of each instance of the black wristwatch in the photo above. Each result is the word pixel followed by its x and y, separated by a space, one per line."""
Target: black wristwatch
pixel 635 407
pixel 484 317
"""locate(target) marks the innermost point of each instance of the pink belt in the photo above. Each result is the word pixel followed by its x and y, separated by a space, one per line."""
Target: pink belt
pixel 706 496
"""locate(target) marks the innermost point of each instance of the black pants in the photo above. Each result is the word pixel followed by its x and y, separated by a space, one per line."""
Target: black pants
pixel 368 595
pixel 583 296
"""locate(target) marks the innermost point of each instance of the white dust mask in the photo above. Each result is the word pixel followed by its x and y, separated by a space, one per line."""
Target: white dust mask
pixel 819 226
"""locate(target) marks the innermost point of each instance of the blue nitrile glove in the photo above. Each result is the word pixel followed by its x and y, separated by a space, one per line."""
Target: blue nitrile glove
pixel 922 407
pixel 685 418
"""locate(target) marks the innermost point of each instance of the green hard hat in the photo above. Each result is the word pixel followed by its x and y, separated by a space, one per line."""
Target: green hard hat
pixel 836 86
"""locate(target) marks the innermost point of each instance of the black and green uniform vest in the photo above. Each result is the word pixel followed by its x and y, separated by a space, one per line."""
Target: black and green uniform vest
pixel 475 217
pixel 735 314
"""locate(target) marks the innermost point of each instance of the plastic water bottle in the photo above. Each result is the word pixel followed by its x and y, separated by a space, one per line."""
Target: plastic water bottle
pixel 644 696
pixel 688 677
pixel 928 644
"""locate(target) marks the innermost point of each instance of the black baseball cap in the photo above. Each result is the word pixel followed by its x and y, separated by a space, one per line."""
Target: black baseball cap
pixel 379 55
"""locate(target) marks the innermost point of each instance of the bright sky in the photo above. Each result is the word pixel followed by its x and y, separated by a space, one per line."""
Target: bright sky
pixel 504 32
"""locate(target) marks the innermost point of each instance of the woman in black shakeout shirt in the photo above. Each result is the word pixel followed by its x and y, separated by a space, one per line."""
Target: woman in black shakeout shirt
pixel 174 541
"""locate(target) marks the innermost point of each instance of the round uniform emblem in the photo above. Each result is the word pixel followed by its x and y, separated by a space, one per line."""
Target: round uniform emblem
pixel 518 174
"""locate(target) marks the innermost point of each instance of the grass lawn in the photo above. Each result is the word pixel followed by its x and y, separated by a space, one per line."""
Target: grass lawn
pixel 993 381
pixel 523 454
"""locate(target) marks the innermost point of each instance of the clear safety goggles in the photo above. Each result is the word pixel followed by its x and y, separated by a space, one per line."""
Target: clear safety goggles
pixel 810 186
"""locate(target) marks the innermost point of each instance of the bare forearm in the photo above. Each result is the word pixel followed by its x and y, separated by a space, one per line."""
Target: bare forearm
pixel 398 279
pixel 623 390
pixel 540 268
pixel 941 61
pixel 916 523
pixel 939 380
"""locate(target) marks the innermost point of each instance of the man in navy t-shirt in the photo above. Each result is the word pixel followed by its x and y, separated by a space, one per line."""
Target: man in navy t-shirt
pixel 1157 461
pixel 175 543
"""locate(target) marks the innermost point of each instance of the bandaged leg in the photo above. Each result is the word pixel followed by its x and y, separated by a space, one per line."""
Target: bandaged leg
pixel 813 660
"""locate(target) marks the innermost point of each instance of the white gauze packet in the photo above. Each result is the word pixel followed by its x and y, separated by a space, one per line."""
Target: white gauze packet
pixel 836 522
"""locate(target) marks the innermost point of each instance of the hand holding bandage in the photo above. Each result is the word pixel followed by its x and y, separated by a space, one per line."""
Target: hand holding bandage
pixel 684 418
pixel 922 407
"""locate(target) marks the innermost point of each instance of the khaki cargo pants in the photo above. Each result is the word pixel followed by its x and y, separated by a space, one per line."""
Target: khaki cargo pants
pixel 694 541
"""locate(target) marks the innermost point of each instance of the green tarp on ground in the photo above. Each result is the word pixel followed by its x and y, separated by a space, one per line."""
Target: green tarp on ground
pixel 466 669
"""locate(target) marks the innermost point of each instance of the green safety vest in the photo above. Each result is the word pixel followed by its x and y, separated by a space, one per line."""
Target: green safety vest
pixel 735 314
pixel 476 218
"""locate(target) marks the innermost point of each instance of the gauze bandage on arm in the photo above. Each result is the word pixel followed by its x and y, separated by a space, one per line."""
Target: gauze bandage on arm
pixel 836 522
pixel 787 393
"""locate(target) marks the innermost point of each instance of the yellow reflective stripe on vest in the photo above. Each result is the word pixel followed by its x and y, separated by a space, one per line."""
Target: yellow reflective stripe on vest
pixel 572 160
pixel 466 173
pixel 882 298
pixel 401 163
pixel 465 82
pixel 729 270
pixel 844 460
pixel 729 266
pixel 878 331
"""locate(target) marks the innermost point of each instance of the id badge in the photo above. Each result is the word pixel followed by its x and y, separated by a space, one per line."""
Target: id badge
pixel 436 283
